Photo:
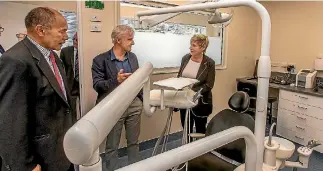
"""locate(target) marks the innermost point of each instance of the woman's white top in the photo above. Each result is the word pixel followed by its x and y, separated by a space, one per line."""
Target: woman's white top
pixel 191 69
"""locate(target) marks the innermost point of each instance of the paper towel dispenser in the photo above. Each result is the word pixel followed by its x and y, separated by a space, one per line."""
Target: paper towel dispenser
pixel 318 63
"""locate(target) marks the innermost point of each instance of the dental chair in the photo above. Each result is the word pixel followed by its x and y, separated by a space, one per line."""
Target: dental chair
pixel 227 157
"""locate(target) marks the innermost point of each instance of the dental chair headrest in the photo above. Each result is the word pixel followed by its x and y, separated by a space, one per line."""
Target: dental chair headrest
pixel 239 101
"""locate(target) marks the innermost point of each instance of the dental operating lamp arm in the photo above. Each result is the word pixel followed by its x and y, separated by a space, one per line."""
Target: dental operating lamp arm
pixel 218 17
pixel 82 140
pixel 192 150
pixel 153 21
pixel 264 64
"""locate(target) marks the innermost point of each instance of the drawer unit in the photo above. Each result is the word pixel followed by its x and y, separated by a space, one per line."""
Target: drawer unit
pixel 298 138
pixel 302 129
pixel 304 109
pixel 299 119
pixel 301 98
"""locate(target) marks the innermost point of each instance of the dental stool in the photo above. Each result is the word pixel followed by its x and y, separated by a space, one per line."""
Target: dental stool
pixel 229 156
pixel 271 100
pixel 251 89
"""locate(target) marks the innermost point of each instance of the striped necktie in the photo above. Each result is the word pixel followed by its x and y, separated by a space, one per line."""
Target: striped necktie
pixel 56 71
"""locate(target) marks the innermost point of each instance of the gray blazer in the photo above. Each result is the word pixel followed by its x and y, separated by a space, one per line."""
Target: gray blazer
pixel 104 73
pixel 205 75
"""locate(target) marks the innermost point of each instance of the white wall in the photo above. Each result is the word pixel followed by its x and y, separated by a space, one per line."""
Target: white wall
pixel 12 16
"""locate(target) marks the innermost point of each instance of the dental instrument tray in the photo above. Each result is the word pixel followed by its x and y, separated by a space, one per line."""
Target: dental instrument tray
pixel 174 98
pixel 175 83
pixel 174 93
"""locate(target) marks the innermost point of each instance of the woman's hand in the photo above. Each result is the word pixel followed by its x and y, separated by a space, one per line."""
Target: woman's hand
pixel 37 168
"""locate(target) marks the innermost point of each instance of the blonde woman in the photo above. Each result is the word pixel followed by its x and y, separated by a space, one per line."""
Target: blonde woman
pixel 201 67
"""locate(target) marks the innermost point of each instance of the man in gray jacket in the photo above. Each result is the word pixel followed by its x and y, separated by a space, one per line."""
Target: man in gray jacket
pixel 109 70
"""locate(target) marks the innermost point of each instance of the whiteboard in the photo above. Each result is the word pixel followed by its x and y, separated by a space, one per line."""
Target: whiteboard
pixel 166 49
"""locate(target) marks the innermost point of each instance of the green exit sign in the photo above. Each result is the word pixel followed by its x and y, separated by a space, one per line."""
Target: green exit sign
pixel 95 4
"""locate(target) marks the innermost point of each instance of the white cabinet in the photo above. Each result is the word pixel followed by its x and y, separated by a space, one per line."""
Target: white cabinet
pixel 300 117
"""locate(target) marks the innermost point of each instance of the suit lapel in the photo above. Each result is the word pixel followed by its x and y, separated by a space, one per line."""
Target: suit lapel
pixel 185 62
pixel 45 68
pixel 132 63
pixel 71 51
pixel 202 67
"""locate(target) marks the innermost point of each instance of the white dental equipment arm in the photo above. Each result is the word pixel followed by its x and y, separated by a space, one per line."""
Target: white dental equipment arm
pixel 192 150
pixel 82 140
pixel 218 17
pixel 264 65
pixel 148 109
pixel 151 22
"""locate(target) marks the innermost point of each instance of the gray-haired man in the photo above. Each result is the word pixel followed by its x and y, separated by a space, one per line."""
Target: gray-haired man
pixel 109 70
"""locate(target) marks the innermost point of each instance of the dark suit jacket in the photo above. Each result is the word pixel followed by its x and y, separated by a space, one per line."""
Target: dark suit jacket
pixel 1 50
pixel 104 73
pixel 67 56
pixel 206 77
pixel 34 114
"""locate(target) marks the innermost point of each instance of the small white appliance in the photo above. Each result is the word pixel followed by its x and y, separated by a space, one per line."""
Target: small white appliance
pixel 306 78
pixel 318 63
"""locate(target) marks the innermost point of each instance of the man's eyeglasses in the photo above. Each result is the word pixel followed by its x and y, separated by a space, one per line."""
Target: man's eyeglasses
pixel 1 30
pixel 20 35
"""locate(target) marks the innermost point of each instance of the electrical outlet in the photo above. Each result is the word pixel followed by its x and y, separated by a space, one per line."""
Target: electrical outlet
pixel 95 18
pixel 96 27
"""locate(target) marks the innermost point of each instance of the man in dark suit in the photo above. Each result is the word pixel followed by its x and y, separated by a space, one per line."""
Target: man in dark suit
pixel 34 100
pixel 109 70
pixel 69 56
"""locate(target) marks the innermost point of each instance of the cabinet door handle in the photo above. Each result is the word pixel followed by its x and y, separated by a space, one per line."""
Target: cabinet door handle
pixel 301 107
pixel 301 117
pixel 299 137
pixel 300 127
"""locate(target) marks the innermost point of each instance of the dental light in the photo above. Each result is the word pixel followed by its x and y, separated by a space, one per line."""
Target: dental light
pixel 220 19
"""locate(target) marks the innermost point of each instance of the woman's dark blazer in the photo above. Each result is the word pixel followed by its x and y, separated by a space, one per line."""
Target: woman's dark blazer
pixel 206 77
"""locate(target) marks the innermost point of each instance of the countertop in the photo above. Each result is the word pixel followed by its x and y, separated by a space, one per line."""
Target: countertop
pixel 251 80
